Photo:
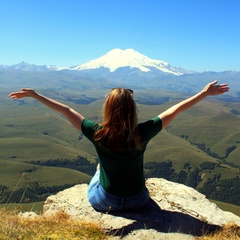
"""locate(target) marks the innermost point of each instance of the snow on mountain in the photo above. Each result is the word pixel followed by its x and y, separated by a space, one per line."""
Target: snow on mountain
pixel 117 58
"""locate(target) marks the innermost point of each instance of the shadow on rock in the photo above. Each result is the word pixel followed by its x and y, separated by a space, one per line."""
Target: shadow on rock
pixel 152 217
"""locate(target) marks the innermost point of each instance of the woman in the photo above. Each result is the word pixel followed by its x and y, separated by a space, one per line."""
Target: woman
pixel 120 142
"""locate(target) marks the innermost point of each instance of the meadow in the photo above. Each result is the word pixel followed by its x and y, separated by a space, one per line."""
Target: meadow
pixel 202 142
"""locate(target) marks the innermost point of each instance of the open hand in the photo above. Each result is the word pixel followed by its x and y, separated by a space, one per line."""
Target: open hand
pixel 25 92
pixel 213 89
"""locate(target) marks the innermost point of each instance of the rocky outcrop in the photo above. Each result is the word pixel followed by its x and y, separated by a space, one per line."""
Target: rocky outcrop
pixel 175 211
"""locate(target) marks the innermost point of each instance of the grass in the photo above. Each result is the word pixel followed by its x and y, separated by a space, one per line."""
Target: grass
pixel 227 232
pixel 55 227
pixel 37 134
pixel 218 132
pixel 61 226
pixel 14 173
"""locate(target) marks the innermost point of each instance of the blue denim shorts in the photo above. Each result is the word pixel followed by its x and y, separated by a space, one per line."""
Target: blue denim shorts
pixel 105 202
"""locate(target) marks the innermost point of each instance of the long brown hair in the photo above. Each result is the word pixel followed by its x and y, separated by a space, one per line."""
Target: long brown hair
pixel 119 127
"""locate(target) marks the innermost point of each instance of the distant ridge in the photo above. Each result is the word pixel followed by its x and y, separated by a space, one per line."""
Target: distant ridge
pixel 24 66
pixel 115 61
pixel 127 68
pixel 111 61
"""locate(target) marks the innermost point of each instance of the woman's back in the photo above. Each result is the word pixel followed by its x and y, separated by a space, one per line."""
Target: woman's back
pixel 121 172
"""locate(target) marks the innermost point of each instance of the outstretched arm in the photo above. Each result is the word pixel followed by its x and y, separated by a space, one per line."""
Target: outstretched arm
pixel 74 117
pixel 210 90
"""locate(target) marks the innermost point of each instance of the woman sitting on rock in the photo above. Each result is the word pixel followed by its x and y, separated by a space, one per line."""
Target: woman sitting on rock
pixel 120 143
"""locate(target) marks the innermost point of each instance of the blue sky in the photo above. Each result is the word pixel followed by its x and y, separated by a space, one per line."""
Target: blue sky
pixel 200 35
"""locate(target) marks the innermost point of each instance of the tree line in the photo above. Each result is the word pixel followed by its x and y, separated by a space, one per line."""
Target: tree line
pixel 215 188
pixel 80 164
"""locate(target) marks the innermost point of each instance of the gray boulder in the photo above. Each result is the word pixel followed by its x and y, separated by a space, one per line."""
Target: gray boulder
pixel 175 211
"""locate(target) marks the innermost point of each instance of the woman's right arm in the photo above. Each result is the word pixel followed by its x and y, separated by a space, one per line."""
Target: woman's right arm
pixel 74 117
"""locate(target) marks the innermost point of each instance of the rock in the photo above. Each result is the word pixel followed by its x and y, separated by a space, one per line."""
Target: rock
pixel 28 214
pixel 175 211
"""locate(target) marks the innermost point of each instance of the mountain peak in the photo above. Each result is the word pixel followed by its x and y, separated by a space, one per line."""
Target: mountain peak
pixel 118 58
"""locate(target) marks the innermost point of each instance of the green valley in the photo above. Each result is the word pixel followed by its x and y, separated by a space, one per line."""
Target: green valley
pixel 40 150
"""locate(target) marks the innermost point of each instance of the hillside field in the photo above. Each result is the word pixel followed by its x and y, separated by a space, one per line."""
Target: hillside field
pixel 202 142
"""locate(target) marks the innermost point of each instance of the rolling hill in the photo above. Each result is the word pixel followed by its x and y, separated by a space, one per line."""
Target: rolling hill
pixel 32 136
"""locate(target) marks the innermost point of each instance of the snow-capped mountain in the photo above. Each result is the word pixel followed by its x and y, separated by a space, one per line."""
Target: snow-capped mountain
pixel 115 59
pixel 118 58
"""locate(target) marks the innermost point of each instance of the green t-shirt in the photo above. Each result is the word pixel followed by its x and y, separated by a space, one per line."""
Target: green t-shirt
pixel 121 173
